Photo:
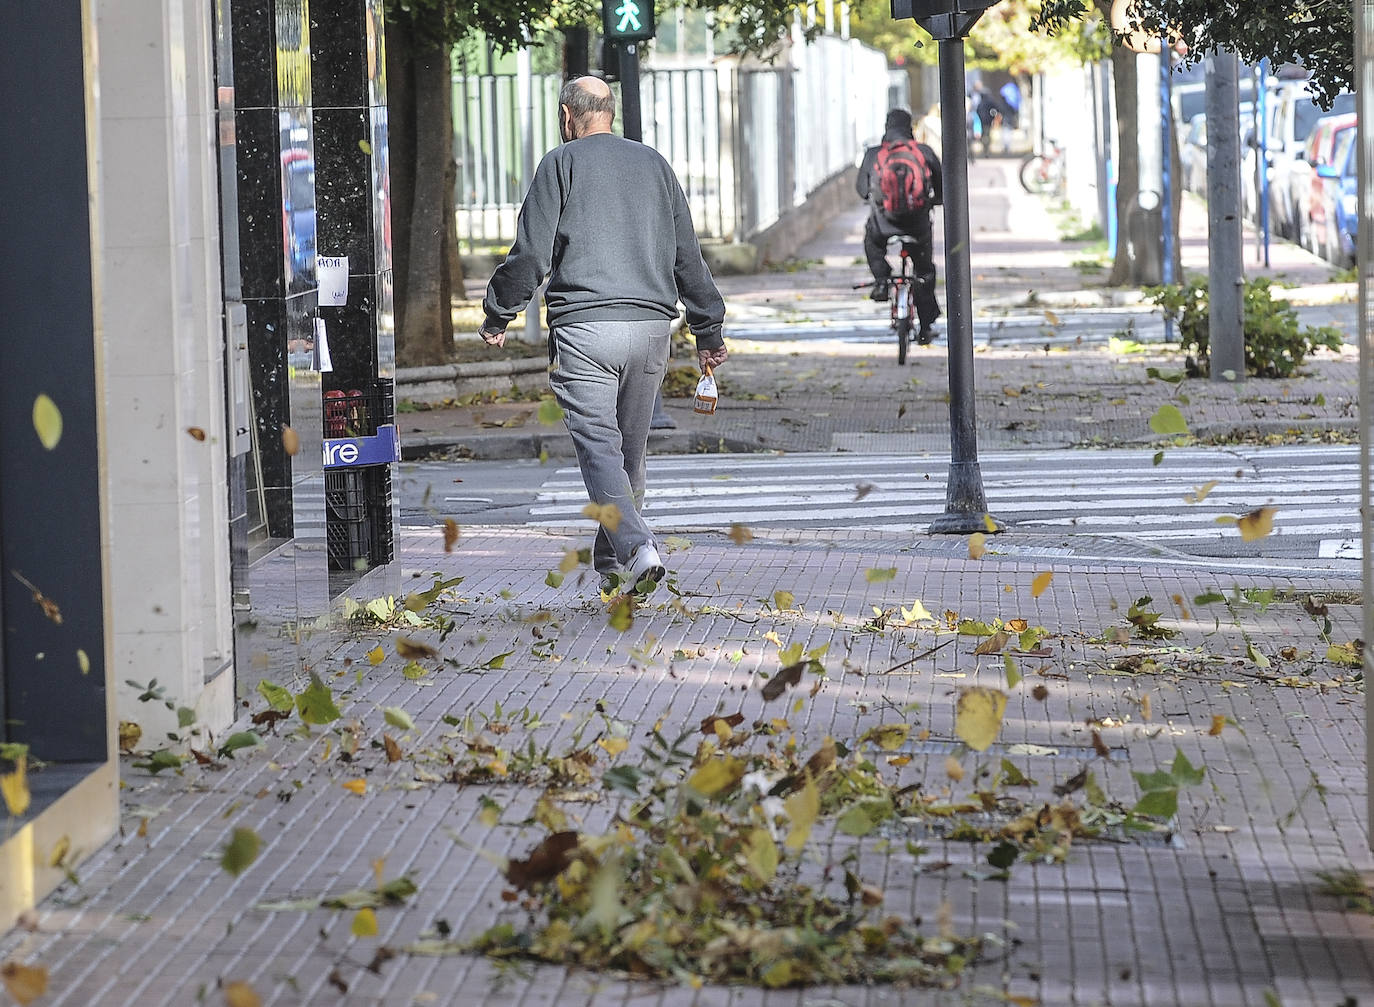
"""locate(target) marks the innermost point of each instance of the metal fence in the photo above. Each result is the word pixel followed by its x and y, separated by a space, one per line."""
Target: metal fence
pixel 747 144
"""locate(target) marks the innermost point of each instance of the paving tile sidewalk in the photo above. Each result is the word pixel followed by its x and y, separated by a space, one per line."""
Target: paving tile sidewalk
pixel 1226 912
pixel 821 395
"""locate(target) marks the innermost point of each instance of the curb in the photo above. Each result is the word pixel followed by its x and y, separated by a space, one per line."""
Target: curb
pixel 1306 296
pixel 500 446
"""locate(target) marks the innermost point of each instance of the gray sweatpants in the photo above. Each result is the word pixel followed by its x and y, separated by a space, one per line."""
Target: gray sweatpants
pixel 605 375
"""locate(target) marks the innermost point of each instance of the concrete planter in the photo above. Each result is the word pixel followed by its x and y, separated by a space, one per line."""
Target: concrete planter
pixel 447 382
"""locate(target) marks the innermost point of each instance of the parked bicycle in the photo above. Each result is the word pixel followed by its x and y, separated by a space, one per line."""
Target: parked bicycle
pixel 901 296
pixel 1043 173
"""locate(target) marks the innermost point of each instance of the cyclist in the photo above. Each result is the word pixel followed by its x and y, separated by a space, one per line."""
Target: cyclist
pixel 901 178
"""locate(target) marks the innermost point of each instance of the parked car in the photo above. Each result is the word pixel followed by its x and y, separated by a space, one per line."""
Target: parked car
pixel 1332 203
pixel 1306 181
pixel 1294 113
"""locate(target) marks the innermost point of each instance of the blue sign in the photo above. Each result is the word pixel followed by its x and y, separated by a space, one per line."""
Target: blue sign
pixel 382 448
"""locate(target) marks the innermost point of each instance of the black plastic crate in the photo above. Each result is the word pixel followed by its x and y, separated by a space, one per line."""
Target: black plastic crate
pixel 358 412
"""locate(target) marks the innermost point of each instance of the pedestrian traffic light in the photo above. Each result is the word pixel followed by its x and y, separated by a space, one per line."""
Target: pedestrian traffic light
pixel 628 20
pixel 944 19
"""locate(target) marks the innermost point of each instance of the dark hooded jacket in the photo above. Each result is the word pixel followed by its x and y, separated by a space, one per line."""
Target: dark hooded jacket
pixel 867 187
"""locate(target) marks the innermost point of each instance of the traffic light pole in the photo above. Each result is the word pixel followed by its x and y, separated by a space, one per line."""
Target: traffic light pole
pixel 629 91
pixel 965 506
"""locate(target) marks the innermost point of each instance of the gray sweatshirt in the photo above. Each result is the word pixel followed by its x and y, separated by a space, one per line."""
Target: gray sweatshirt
pixel 607 221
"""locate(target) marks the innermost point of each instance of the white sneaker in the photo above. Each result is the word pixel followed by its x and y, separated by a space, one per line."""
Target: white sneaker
pixel 645 564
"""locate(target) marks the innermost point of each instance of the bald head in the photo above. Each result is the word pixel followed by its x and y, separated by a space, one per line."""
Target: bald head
pixel 586 105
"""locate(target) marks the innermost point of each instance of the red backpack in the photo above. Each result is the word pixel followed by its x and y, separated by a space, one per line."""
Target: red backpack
pixel 903 177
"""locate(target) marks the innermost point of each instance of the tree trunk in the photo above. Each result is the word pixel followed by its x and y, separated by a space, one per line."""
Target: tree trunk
pixel 1124 84
pixel 420 117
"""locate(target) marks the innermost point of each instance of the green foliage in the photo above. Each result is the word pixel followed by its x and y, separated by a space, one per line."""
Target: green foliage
pixel 1274 345
pixel 1320 36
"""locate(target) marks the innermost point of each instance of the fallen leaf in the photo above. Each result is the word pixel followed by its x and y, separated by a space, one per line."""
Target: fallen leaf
pixel 451 534
pixel 992 644
pixel 545 862
pixel 376 655
pixel 888 737
pixel 953 769
pixel 1257 524
pixel 739 534
pixel 990 524
pixel 802 809
pixel 129 735
pixel 708 725
pixel 606 515
pixel 916 613
pixel 393 749
pixel 1040 583
pixel 978 716
pixel 15 788
pixel 358 787
pixel 1168 421
pixel 788 676
pixel 240 994
pixel 613 746
pixel 196 433
pixel 977 545
pixel 290 441
pixel 550 413
pixel 1218 723
pixel 1100 746
pixel 719 775
pixel 240 851
pixel 879 574
pixel 1075 782
pixel 47 421
pixel 364 923
pixel 413 650
pixel 1200 494
pixel 862 490
pixel 783 599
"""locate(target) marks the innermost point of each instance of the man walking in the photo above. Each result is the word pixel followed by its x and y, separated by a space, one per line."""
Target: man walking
pixel 902 180
pixel 607 221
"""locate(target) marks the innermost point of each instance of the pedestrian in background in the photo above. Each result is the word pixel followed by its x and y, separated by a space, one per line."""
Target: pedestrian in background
pixel 893 214
pixel 606 220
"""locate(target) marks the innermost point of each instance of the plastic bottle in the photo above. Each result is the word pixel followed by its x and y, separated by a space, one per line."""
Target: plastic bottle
pixel 706 398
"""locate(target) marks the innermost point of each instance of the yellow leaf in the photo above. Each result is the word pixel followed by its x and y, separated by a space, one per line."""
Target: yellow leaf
pixel 783 599
pixel 739 534
pixel 47 421
pixel 59 851
pixel 15 789
pixel 1040 583
pixel 1168 421
pixel 899 760
pixel 1200 494
pixel 358 787
pixel 879 574
pixel 761 855
pixel 888 737
pixel 614 746
pixel 1218 722
pixel 451 533
pixel 952 769
pixel 364 923
pixel 916 612
pixel 802 809
pixel 1257 524
pixel 83 661
pixel 240 994
pixel 25 983
pixel 990 524
pixel 376 655
pixel 290 441
pixel 718 775
pixel 569 561
pixel 606 515
pixel 772 637
pixel 365 147
pixel 978 716
pixel 977 545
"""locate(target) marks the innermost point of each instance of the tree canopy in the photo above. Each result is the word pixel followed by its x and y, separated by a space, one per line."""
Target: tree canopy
pixel 1318 34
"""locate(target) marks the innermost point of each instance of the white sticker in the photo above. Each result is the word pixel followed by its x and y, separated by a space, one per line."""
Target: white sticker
pixel 322 347
pixel 332 273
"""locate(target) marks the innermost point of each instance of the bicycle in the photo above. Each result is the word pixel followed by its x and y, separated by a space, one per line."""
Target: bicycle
pixel 902 296
pixel 1043 173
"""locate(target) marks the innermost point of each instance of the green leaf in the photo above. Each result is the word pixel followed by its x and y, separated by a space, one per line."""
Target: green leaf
pixel 1210 598
pixel 1157 458
pixel 278 699
pixel 1003 855
pixel 185 716
pixel 398 889
pixel 1158 780
pixel 398 718
pixel 1013 672
pixel 499 661
pixel 880 574
pixel 1173 377
pixel 1184 772
pixel 414 671
pixel 1012 776
pixel 622 779
pixel 1168 421
pixel 1159 803
pixel 550 412
pixel 553 578
pixel 241 740
pixel 156 762
pixel 241 850
pixel 316 703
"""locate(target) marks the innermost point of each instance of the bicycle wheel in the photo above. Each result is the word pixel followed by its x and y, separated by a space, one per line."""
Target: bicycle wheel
pixel 903 326
pixel 1038 174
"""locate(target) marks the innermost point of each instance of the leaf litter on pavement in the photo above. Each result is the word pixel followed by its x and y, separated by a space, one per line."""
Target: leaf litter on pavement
pixel 727 849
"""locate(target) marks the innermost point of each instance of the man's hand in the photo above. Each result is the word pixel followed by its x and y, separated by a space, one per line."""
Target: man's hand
pixel 711 358
pixel 493 338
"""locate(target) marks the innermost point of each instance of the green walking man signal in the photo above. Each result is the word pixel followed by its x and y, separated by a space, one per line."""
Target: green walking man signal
pixel 628 20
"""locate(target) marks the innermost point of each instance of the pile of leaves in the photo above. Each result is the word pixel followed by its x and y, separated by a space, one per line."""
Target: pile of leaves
pixel 703 879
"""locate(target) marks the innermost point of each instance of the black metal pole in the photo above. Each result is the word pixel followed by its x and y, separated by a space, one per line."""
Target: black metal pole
pixel 629 91
pixel 965 505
